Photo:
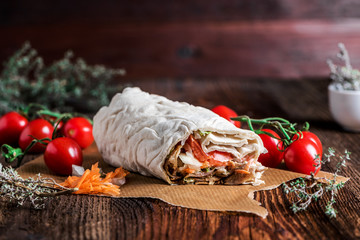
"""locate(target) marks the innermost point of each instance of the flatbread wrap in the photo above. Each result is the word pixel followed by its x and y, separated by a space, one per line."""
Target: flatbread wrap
pixel 175 141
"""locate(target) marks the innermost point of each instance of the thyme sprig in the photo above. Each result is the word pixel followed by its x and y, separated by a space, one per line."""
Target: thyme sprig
pixel 310 188
pixel 32 191
pixel 60 85
pixel 344 77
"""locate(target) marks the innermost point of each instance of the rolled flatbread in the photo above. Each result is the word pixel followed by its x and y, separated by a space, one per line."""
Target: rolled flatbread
pixel 175 141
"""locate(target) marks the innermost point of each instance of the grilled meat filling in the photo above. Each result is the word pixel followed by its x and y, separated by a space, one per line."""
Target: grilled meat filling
pixel 188 163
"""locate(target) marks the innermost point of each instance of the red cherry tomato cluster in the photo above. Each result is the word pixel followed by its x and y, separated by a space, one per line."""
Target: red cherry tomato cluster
pixel 61 150
pixel 302 153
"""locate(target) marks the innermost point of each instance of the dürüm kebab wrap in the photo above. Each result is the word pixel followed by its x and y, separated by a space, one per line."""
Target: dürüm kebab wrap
pixel 175 141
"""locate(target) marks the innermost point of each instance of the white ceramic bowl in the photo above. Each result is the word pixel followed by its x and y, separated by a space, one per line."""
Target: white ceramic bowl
pixel 345 107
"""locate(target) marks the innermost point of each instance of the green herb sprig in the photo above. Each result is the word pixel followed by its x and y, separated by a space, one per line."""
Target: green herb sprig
pixel 310 188
pixel 60 85
pixel 31 191
pixel 344 77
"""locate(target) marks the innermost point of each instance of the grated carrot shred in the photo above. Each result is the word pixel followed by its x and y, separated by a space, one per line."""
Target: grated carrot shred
pixel 240 171
pixel 92 183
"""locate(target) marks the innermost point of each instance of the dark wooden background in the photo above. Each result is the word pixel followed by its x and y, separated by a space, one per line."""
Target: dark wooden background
pixel 261 58
pixel 199 38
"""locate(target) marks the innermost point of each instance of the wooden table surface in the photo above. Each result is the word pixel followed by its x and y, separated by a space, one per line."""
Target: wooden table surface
pixel 88 217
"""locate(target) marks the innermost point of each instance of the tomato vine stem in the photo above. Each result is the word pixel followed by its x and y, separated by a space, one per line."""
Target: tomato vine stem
pixel 11 154
pixel 287 129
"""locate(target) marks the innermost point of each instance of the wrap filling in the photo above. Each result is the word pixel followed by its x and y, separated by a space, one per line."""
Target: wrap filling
pixel 214 158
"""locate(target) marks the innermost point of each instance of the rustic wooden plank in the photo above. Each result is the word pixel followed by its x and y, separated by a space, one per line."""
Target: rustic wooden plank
pixel 275 49
pixel 87 217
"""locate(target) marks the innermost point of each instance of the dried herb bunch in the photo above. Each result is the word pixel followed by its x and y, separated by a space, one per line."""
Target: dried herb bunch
pixel 309 188
pixel 32 191
pixel 61 85
pixel 344 77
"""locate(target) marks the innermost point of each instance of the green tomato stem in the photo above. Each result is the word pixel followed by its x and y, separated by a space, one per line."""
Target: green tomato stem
pixel 11 154
pixel 32 108
pixel 60 118
pixel 286 128
pixel 49 113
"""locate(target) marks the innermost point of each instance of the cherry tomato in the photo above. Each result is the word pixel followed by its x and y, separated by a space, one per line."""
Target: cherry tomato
pixel 226 113
pixel 274 148
pixel 79 129
pixel 61 153
pixel 312 137
pixel 38 128
pixel 11 126
pixel 300 156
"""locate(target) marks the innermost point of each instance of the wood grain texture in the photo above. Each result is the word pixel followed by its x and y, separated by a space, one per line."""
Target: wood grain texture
pixel 274 49
pixel 208 39
pixel 87 217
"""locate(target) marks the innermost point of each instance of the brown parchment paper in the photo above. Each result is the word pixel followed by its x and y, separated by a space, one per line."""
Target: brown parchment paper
pixel 238 198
